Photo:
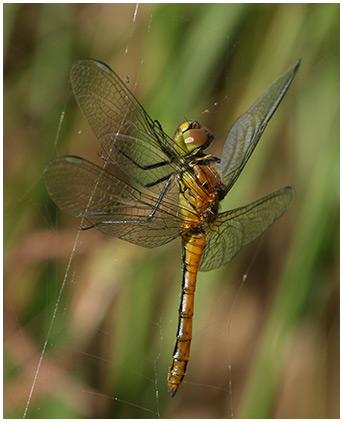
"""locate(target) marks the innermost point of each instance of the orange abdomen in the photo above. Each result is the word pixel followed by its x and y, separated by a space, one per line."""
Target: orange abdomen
pixel 193 246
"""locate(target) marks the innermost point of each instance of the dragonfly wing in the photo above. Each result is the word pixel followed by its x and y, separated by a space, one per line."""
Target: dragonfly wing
pixel 130 138
pixel 236 228
pixel 247 130
pixel 83 189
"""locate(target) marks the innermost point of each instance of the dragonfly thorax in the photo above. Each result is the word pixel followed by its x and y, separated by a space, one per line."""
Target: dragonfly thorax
pixel 191 137
pixel 200 193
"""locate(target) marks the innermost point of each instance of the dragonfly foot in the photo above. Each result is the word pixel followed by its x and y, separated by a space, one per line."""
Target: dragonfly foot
pixel 87 228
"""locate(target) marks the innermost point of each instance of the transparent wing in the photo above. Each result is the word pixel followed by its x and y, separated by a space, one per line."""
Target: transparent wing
pixel 129 137
pixel 236 228
pixel 247 130
pixel 83 189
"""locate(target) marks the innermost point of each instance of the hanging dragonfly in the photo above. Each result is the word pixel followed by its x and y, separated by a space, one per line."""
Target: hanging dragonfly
pixel 174 187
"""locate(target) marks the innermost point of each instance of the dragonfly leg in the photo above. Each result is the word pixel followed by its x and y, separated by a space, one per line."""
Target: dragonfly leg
pixel 144 185
pixel 148 218
pixel 159 134
pixel 183 190
pixel 142 167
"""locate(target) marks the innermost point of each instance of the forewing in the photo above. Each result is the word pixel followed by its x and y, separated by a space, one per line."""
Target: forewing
pixel 236 228
pixel 83 189
pixel 129 137
pixel 247 130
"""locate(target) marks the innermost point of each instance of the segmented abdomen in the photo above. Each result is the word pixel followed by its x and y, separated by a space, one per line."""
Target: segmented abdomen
pixel 193 246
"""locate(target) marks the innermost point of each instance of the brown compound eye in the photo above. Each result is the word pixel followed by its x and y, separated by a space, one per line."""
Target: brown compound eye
pixel 190 136
pixel 197 137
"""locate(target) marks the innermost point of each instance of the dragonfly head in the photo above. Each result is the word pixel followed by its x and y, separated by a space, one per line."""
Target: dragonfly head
pixel 191 137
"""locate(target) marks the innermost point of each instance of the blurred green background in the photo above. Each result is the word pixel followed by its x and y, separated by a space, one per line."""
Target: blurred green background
pixel 266 326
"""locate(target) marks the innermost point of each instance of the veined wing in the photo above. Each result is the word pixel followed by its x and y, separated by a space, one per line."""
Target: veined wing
pixel 83 189
pixel 247 130
pixel 130 138
pixel 236 228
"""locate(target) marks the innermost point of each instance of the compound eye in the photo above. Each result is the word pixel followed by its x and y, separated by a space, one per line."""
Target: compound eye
pixel 198 137
pixel 191 136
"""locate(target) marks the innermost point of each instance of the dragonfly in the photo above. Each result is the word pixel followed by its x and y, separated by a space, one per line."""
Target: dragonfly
pixel 163 187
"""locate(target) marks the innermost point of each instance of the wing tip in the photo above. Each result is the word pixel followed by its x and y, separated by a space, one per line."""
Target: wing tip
pixel 297 65
pixel 291 191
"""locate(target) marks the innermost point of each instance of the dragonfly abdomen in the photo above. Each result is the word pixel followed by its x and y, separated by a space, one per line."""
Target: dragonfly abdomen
pixel 193 246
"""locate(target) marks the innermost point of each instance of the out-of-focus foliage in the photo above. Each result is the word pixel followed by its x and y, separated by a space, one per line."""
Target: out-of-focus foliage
pixel 266 328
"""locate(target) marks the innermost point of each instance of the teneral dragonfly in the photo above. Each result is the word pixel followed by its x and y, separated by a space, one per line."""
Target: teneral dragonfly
pixel 174 187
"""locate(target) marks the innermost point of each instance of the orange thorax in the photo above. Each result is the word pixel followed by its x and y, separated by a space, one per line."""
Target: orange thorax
pixel 200 192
